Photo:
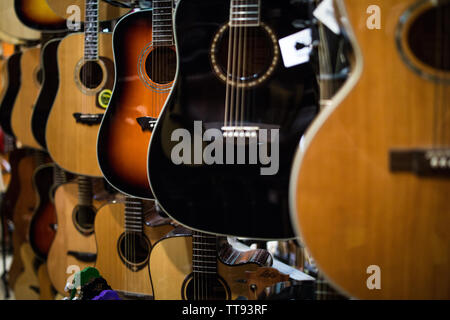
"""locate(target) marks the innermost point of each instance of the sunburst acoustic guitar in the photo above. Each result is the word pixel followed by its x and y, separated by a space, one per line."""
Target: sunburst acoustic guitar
pixel 37 15
pixel 12 27
pixel 380 154
pixel 86 67
pixel 145 72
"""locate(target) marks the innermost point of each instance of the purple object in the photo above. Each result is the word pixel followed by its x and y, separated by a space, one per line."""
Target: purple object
pixel 107 295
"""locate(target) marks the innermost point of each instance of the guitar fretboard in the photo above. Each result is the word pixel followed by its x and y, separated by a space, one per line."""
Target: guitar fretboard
pixel 91 30
pixel 204 253
pixel 134 215
pixel 245 13
pixel 85 192
pixel 162 23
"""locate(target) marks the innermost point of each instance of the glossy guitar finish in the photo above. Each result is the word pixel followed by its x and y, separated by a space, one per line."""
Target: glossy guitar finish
pixel 31 80
pixel 109 229
pixel 69 239
pixel 231 199
pixel 47 94
pixel 37 15
pixel 43 223
pixel 123 143
pixel 12 26
pixel 9 97
pixel 380 209
pixel 66 137
pixel 171 269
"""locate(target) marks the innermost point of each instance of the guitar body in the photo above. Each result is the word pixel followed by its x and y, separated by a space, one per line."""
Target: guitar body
pixel 37 15
pixel 22 214
pixel 12 26
pixel 106 11
pixel 231 199
pixel 123 157
pixel 42 226
pixel 378 209
pixel 68 239
pixel 46 291
pixel 109 227
pixel 27 285
pixel 66 137
pixel 3 76
pixel 47 94
pixel 9 97
pixel 171 270
pixel 31 79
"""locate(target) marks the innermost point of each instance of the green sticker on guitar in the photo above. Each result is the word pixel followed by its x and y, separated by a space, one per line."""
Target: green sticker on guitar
pixel 104 97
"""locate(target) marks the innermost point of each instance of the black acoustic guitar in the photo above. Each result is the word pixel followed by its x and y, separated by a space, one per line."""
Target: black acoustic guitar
pixel 10 95
pixel 49 89
pixel 231 77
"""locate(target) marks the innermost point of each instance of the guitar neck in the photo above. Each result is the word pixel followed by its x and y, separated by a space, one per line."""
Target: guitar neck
pixel 85 192
pixel 245 13
pixel 204 254
pixel 162 23
pixel 91 28
pixel 134 220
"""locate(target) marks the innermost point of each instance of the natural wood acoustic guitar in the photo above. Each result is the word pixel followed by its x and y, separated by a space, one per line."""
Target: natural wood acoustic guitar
pixel 371 180
pixel 86 67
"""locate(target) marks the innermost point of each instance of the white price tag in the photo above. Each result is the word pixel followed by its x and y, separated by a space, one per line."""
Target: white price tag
pixel 325 14
pixel 296 48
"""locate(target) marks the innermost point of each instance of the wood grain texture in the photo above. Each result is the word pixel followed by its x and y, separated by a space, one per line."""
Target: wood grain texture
pixel 352 212
pixel 22 214
pixel 109 226
pixel 171 264
pixel 29 90
pixel 106 11
pixel 67 238
pixel 12 26
pixel 28 279
pixel 73 146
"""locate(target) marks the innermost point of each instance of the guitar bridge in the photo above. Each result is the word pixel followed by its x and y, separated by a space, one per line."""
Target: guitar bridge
pixel 147 123
pixel 423 163
pixel 88 119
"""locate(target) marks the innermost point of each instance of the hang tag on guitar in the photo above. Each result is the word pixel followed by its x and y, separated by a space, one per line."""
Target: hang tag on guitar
pixel 296 48
pixel 325 13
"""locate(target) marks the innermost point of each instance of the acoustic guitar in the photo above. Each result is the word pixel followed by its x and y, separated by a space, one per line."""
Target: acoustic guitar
pixel 37 15
pixel 144 77
pixel 124 241
pixel 380 156
pixel 231 78
pixel 27 285
pixel 187 265
pixel 13 77
pixel 23 210
pixel 85 62
pixel 46 290
pixel 12 27
pixel 31 80
pixel 74 244
pixel 47 94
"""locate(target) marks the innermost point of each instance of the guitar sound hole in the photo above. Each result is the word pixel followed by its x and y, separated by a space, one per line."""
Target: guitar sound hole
pixel 161 65
pixel 252 53
pixel 134 249
pixel 84 217
pixel 91 74
pixel 206 287
pixel 429 37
